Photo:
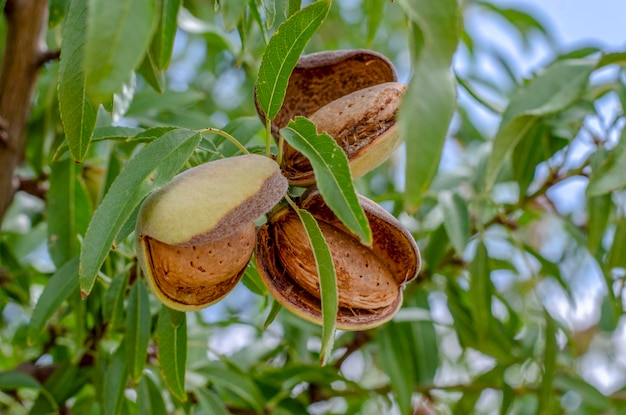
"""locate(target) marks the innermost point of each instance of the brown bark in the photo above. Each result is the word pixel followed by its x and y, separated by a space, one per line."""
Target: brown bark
pixel 24 53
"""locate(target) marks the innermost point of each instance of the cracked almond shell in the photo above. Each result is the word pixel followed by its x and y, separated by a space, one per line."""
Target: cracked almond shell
pixel 370 280
pixel 195 236
pixel 322 77
pixel 363 123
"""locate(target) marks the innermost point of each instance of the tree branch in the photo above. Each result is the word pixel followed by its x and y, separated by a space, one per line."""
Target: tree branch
pixel 25 52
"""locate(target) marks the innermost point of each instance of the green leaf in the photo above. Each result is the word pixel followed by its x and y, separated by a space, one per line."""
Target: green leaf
pixel 66 380
pixel 252 281
pixel 466 404
pixel 269 8
pixel 77 112
pixel 610 175
pixel 137 329
pixel 481 291
pixel 462 316
pixel 328 282
pixel 271 316
pixel 117 36
pixel 393 351
pixel 616 257
pixel 525 23
pixel 14 380
pixel 163 39
pixel 153 166
pixel 528 154
pixel 598 208
pixel 115 382
pixel 292 7
pixel 409 352
pixel 591 396
pixel 282 53
pixel 153 75
pixel 172 342
pixel 69 205
pixel 57 10
pixel 375 12
pixel 209 402
pixel 237 382
pixel 332 173
pixel 456 219
pixel 149 398
pixel 113 305
pixel 549 366
pixel 553 90
pixel 429 102
pixel 61 285
pixel 232 12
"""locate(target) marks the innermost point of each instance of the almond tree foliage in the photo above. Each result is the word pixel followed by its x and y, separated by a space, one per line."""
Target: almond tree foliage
pixel 522 223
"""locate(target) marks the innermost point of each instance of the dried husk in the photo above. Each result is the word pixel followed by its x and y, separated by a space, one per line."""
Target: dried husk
pixel 370 279
pixel 322 77
pixel 363 123
pixel 195 235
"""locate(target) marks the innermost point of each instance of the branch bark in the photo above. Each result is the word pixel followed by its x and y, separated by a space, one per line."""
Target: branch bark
pixel 25 52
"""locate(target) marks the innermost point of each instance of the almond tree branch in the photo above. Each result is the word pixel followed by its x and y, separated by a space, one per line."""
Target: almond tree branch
pixel 24 53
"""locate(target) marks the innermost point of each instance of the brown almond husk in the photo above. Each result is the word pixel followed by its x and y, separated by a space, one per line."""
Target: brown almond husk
pixel 322 77
pixel 363 123
pixel 285 264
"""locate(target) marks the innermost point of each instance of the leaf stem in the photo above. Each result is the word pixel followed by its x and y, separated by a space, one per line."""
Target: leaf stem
pixel 226 136
pixel 268 137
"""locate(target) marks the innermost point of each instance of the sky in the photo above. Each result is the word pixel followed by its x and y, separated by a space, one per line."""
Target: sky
pixel 581 21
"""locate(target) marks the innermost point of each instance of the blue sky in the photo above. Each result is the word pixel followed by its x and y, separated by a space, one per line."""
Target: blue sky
pixel 578 21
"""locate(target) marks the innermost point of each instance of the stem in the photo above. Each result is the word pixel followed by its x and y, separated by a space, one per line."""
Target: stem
pixel 268 137
pixel 226 136
pixel 24 53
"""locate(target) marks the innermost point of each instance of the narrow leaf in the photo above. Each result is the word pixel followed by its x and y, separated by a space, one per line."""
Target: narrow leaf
pixel 269 8
pixel 163 39
pixel 591 396
pixel 115 382
pixel 77 112
pixel 237 382
pixel 481 291
pixel 282 53
pixel 549 366
pixel 332 173
pixel 375 12
pixel 392 352
pixel 14 380
pixel 429 101
pixel 149 398
pixel 616 257
pixel 409 353
pixel 63 283
pixel 137 329
pixel 456 219
pixel 69 205
pixel 551 91
pixel 153 166
pixel 210 403
pixel 172 341
pixel 117 36
pixel 292 6
pixel 153 75
pixel 271 316
pixel 113 305
pixel 328 282
pixel 610 175
pixel 598 208
pixel 232 12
